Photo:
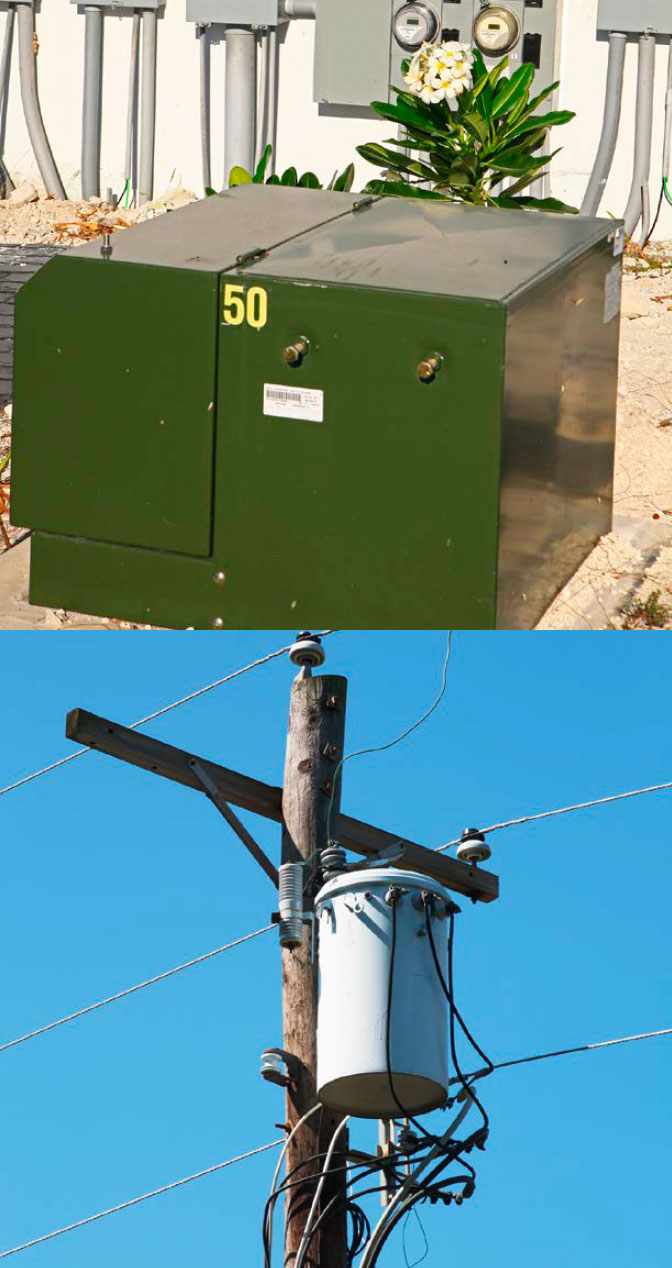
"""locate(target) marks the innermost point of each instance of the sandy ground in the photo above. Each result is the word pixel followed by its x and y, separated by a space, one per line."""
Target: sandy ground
pixel 634 562
pixel 27 217
pixel 626 582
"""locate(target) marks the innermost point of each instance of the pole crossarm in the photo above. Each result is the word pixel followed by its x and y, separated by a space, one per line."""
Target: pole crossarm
pixel 250 794
pixel 212 791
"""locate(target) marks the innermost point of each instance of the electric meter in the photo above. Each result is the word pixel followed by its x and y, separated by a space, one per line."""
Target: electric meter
pixel 414 25
pixel 496 30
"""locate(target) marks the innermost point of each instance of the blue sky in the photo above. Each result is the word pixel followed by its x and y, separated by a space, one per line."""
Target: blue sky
pixel 110 874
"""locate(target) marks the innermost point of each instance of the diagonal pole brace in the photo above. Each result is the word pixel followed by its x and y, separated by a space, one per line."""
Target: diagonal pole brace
pixel 211 790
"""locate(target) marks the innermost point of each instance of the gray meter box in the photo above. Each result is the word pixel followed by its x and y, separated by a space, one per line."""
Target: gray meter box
pixel 357 57
pixel 241 12
pixel 634 17
pixel 127 6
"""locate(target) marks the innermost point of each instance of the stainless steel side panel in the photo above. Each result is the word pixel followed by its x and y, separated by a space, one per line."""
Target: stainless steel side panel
pixel 558 433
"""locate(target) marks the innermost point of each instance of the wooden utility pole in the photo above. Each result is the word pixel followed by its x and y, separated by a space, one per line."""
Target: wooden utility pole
pixel 314 749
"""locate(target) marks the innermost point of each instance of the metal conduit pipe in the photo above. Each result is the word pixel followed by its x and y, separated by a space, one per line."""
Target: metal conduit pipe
pixel 206 145
pixel 646 71
pixel 240 100
pixel 610 125
pixel 297 8
pixel 667 141
pixel 5 75
pixel 93 100
pixel 132 114
pixel 262 97
pixel 31 102
pixel 272 99
pixel 148 107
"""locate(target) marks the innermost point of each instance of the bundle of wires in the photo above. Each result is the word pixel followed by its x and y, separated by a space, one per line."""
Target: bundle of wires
pixel 430 1178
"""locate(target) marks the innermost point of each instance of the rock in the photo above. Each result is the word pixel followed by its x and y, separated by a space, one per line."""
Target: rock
pixel 635 304
pixel 25 193
pixel 180 198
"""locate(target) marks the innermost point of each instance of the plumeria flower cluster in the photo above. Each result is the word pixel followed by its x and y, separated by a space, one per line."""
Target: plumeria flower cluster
pixel 441 72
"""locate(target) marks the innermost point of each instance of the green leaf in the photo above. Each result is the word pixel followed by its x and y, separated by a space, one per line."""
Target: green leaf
pixel 532 204
pixel 210 193
pixel 344 182
pixel 549 204
pixel 476 125
pixel 553 120
pixel 535 170
pixel 497 72
pixel 273 180
pixel 403 113
pixel 480 68
pixel 290 177
pixel 513 91
pixel 512 162
pixel 399 189
pixel 309 181
pixel 260 173
pixel 238 176
pixel 525 143
pixel 534 105
pixel 382 157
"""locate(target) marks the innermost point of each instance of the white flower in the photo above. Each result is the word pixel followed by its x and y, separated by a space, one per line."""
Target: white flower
pixel 431 95
pixel 414 77
pixel 439 72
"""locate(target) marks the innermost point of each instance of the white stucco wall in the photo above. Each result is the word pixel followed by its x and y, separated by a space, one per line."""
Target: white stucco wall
pixel 305 138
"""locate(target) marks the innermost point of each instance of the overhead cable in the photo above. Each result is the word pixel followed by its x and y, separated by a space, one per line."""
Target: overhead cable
pixel 159 713
pixel 155 1193
pixel 564 810
pixel 398 739
pixel 132 990
pixel 275 1144
pixel 565 1052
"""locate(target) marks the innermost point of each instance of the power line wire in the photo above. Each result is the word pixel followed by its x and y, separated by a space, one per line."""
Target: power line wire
pixel 159 713
pixel 565 1052
pixel 124 1206
pixel 383 748
pixel 131 990
pixel 275 1144
pixel 564 810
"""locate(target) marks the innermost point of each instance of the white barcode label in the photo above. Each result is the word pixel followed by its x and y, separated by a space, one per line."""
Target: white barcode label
pixel 282 401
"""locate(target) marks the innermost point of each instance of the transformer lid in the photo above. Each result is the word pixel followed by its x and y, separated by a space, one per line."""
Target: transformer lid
pixel 398 244
pixel 436 248
pixel 210 235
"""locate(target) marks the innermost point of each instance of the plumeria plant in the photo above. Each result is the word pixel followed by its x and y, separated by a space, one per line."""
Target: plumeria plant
pixel 341 182
pixel 464 131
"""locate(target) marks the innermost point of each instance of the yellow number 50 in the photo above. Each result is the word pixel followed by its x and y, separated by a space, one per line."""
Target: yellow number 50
pixel 241 306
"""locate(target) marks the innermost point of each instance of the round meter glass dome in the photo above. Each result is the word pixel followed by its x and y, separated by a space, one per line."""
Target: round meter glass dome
pixel 496 30
pixel 414 25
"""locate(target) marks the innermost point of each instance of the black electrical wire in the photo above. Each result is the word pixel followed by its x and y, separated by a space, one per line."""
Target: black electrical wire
pixel 421 1260
pixel 422 1196
pixel 366 1166
pixel 336 1202
pixel 388 1031
pixel 448 990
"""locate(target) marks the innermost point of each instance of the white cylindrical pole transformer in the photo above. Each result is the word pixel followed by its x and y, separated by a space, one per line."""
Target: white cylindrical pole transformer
pixel 356 912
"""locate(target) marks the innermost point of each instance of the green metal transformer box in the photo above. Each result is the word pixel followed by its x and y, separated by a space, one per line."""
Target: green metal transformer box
pixel 288 407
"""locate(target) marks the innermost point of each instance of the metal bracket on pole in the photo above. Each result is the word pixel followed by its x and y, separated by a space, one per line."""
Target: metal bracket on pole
pixel 212 791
